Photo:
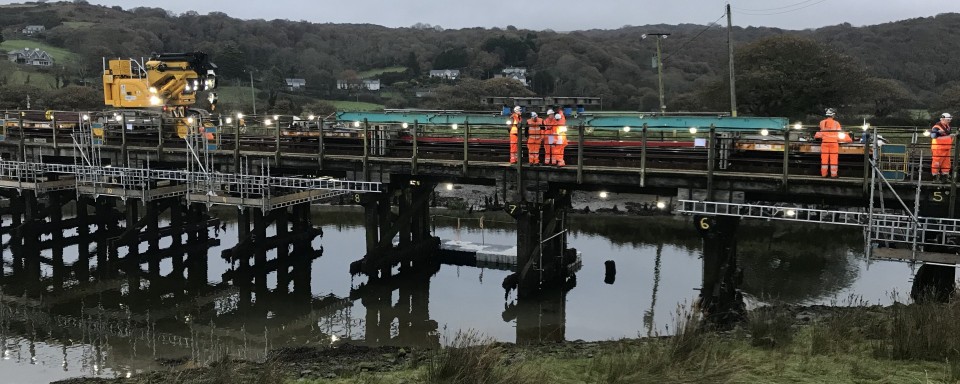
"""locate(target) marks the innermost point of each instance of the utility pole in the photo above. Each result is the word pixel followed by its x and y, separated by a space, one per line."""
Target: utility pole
pixel 660 36
pixel 733 79
pixel 253 94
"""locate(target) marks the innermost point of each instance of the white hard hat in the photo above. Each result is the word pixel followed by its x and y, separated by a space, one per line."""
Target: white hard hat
pixel 517 109
pixel 946 116
pixel 558 116
pixel 549 111
pixel 533 115
pixel 830 112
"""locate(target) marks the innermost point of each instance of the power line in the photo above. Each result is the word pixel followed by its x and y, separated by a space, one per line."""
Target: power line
pixel 771 9
pixel 685 43
pixel 782 12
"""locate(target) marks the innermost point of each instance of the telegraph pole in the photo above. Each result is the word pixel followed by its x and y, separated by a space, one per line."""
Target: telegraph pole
pixel 660 36
pixel 733 80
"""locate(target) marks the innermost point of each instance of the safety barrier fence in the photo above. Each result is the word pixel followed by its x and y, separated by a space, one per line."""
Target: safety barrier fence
pixel 783 151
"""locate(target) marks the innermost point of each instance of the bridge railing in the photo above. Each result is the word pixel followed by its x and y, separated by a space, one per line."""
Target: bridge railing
pixel 776 151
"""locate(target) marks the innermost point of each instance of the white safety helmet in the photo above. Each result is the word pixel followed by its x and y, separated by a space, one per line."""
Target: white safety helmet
pixel 549 111
pixel 830 112
pixel 557 116
pixel 517 109
pixel 533 115
pixel 946 116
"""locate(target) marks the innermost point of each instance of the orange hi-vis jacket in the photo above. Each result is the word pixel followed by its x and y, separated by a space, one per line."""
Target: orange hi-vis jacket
pixel 943 138
pixel 560 131
pixel 830 132
pixel 515 119
pixel 536 126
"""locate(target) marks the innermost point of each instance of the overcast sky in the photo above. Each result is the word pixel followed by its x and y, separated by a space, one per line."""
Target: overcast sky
pixel 562 15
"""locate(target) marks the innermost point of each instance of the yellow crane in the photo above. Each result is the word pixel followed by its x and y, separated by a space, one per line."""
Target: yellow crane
pixel 169 81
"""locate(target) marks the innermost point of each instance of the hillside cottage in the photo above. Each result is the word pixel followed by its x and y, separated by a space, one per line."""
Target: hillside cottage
pixel 27 56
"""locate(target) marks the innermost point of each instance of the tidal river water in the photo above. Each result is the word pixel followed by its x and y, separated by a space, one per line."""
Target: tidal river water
pixel 107 324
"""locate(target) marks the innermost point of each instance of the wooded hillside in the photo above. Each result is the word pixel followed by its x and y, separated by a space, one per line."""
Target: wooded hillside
pixel 911 64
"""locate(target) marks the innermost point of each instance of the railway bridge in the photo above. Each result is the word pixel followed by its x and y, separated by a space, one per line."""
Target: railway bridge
pixel 719 169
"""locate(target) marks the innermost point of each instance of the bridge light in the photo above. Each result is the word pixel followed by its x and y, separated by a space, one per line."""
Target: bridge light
pixel 405 125
pixel 356 124
pixel 866 126
pixel 509 122
pixel 693 130
pixel 798 125
pixel 661 205
pixel 276 117
pixel 189 120
pixel 604 195
pixel 86 117
pixel 842 136
pixel 626 129
pixel 154 100
pixel 311 117
pixel 449 186
pixel 926 133
pixel 153 90
pixel 455 126
pixel 791 213
pixel 239 116
pixel 267 122
pixel 229 120
pixel 764 132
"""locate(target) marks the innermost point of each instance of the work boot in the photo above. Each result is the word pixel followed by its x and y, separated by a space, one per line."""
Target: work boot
pixel 936 178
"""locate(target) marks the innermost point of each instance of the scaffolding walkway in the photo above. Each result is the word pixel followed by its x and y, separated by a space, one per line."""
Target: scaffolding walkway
pixel 260 191
pixel 890 236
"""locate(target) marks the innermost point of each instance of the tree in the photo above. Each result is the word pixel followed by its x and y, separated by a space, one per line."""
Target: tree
pixel 886 96
pixel 793 76
pixel 76 98
pixel 412 64
pixel 949 101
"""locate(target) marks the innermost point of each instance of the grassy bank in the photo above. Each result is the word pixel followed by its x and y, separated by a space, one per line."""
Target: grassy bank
pixel 897 344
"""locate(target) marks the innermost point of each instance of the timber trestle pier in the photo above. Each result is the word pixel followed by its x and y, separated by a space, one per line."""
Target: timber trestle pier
pixel 718 169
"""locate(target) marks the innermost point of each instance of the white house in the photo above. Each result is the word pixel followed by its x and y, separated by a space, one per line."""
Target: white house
pixel 448 74
pixel 370 85
pixel 29 56
pixel 519 74
pixel 296 84
pixel 33 29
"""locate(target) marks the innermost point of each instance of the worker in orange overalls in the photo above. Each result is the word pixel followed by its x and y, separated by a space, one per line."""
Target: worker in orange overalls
pixel 534 138
pixel 941 142
pixel 831 136
pixel 559 138
pixel 515 120
pixel 549 128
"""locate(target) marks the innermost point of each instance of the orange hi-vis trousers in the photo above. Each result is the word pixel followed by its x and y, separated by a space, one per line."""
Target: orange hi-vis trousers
pixel 559 146
pixel 829 159
pixel 941 162
pixel 514 141
pixel 533 145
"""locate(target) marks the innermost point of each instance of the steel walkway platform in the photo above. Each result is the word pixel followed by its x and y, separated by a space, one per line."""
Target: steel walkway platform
pixel 891 236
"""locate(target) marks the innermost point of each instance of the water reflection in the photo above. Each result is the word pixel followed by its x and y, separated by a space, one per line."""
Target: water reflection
pixel 74 305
